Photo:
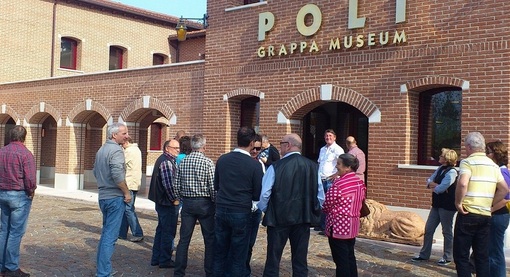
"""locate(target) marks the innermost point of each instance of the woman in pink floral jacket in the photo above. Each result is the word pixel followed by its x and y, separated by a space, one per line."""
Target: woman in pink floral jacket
pixel 342 208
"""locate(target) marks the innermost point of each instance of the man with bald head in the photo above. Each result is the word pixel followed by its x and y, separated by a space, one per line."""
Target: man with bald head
pixel 354 150
pixel 162 192
pixel 291 197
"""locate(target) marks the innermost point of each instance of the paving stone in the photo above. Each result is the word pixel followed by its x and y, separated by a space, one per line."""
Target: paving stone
pixel 62 237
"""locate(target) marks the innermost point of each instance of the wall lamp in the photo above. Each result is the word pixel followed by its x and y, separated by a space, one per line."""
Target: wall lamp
pixel 182 30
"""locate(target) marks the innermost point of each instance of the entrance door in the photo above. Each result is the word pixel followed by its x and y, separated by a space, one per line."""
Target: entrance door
pixel 343 118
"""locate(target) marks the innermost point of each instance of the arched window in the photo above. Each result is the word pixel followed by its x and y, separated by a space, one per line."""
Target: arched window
pixel 158 59
pixel 68 53
pixel 439 123
pixel 116 58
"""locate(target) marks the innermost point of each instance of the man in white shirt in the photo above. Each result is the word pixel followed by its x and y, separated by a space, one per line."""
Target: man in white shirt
pixel 327 165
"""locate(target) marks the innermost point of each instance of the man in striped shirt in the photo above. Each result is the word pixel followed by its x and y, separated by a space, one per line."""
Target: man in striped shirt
pixel 479 186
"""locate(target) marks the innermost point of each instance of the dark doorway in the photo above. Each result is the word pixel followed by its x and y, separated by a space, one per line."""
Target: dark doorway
pixel 8 126
pixel 345 119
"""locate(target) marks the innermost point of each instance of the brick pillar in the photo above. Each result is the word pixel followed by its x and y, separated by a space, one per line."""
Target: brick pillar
pixel 70 159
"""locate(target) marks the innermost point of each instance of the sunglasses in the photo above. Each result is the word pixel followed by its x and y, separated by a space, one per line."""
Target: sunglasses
pixel 257 148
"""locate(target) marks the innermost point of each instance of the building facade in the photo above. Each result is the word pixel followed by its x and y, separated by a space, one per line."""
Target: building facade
pixel 404 77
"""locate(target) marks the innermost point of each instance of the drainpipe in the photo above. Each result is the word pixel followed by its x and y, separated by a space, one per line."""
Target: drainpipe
pixel 52 66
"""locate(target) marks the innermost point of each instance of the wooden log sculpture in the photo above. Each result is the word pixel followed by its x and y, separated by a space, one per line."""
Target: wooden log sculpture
pixel 394 226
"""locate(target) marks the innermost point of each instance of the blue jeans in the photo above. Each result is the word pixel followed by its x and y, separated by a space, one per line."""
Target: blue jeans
pixel 436 216
pixel 471 230
pixel 165 234
pixel 113 209
pixel 15 207
pixel 130 219
pixel 232 231
pixel 326 184
pixel 255 224
pixel 499 223
pixel 193 209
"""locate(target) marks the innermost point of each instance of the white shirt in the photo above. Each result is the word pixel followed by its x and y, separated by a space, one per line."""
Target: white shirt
pixel 327 159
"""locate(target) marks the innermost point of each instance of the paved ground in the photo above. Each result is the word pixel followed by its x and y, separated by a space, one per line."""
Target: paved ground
pixel 63 233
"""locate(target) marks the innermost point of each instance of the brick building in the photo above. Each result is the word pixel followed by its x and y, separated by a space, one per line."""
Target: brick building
pixel 404 77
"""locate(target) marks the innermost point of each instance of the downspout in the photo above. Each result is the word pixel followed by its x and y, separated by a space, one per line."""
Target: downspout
pixel 53 27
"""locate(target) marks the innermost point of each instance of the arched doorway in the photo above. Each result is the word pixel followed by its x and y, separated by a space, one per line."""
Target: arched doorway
pixel 7 128
pixel 343 118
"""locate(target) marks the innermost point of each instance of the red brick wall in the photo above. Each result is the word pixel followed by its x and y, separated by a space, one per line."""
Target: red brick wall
pixel 448 42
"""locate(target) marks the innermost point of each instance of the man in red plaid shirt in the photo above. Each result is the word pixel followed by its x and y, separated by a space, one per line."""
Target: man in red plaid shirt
pixel 17 187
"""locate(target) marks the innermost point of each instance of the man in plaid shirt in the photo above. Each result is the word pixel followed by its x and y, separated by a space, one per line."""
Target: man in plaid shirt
pixel 194 185
pixel 17 187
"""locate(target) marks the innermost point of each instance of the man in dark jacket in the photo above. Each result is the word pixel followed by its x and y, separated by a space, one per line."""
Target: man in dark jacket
pixel 237 186
pixel 291 197
pixel 162 193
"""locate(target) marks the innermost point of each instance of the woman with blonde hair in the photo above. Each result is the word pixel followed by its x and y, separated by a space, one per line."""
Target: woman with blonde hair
pixel 442 184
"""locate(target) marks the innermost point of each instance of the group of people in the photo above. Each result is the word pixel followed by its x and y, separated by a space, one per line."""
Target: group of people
pixel 228 199
pixel 294 193
pixel 478 193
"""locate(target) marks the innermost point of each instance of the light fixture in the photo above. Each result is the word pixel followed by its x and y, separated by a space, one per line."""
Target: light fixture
pixel 182 30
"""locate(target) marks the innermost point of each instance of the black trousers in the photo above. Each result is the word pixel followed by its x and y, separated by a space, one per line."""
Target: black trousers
pixel 342 251
pixel 299 236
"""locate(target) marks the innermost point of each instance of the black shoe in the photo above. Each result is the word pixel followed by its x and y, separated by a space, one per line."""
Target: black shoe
pixel 136 239
pixel 418 259
pixel 322 233
pixel 171 264
pixel 154 263
pixel 16 273
pixel 317 229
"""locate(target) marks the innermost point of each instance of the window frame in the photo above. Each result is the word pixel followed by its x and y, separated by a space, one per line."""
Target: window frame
pixel 159 55
pixel 74 53
pixel 119 51
pixel 427 144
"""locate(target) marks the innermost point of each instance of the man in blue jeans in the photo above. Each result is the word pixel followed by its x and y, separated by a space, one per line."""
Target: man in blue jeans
pixel 133 158
pixel 328 156
pixel 17 187
pixel 113 194
pixel 237 189
pixel 162 193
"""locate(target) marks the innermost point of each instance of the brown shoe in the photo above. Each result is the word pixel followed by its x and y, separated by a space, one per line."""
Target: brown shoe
pixel 16 273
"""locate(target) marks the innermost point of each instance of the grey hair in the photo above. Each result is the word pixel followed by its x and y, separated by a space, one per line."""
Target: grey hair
pixel 113 129
pixel 476 141
pixel 18 133
pixel 197 141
